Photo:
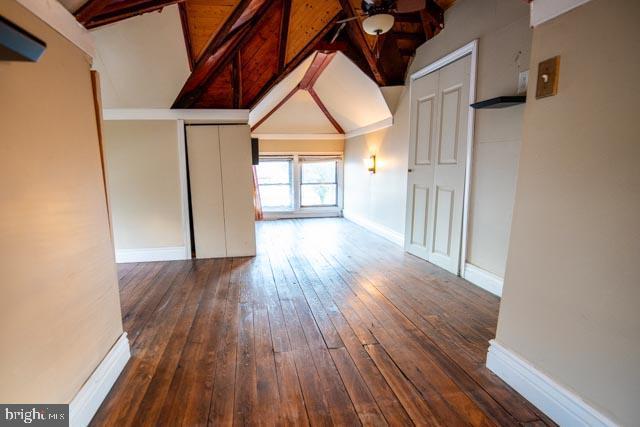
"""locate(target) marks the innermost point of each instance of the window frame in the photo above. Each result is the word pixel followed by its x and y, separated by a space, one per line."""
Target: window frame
pixel 298 210
pixel 302 183
pixel 290 183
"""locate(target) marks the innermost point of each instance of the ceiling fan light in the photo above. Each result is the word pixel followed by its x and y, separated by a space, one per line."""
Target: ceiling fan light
pixel 378 24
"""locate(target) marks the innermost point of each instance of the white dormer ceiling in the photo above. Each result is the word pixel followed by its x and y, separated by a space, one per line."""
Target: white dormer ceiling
pixel 142 60
pixel 348 95
pixel 299 115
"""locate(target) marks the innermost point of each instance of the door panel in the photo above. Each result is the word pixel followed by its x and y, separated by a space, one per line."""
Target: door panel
pixel 442 221
pixel 450 115
pixel 424 130
pixel 419 215
pixel 439 113
pixel 237 184
pixel 205 177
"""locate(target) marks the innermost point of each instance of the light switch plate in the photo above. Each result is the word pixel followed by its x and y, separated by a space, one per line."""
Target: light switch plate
pixel 548 75
pixel 523 82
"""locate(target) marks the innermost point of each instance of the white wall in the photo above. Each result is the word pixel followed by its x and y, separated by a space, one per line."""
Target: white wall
pixel 502 27
pixel 572 287
pixel 59 300
pixel 144 183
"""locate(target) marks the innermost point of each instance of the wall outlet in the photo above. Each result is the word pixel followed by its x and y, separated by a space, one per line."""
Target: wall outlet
pixel 523 82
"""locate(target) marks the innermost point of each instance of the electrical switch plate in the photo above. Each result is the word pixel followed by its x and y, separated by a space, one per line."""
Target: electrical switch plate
pixel 548 75
pixel 523 82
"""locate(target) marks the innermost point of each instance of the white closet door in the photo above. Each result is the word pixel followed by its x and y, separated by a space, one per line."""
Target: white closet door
pixel 237 187
pixel 423 132
pixel 442 176
pixel 451 163
pixel 205 177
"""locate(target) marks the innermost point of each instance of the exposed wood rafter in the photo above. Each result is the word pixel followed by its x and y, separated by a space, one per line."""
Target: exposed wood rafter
pixel 318 65
pixel 184 21
pixel 237 80
pixel 355 31
pixel 284 34
pixel 235 31
pixel 314 44
pixel 95 13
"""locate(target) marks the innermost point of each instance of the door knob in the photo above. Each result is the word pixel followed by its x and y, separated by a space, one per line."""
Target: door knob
pixel 410 170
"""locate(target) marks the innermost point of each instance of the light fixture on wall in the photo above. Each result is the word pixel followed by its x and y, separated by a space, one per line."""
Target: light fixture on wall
pixel 372 164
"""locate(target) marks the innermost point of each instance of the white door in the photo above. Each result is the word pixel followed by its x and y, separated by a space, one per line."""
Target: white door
pixel 437 164
pixel 205 177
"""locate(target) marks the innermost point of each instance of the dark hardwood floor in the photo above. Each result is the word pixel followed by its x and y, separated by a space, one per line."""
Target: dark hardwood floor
pixel 328 325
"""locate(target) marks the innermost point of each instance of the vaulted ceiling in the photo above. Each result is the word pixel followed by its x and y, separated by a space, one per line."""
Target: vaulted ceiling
pixel 240 49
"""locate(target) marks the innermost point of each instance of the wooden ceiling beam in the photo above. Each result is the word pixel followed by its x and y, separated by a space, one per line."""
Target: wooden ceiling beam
pixel 319 63
pixel 184 21
pixel 276 108
pixel 297 60
pixel 234 33
pixel 284 35
pixel 237 80
pixel 90 9
pixel 322 107
pixel 111 12
pixel 432 18
pixel 355 31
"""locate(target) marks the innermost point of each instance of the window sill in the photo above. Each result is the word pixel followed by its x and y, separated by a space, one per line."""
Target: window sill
pixel 315 212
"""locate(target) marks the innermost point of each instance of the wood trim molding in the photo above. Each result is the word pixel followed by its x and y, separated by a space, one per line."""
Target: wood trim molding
pixel 483 279
pixel 299 136
pixel 379 229
pixel 176 253
pixel 59 18
pixel 86 403
pixel 382 124
pixel 213 116
pixel 558 402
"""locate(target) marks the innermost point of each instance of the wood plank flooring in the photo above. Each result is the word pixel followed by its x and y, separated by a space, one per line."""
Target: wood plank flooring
pixel 328 325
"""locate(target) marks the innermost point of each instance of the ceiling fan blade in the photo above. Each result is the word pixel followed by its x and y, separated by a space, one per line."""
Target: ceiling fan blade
pixel 408 6
pixel 342 21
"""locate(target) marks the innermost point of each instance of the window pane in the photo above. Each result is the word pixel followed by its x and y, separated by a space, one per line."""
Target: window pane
pixel 276 197
pixel 319 172
pixel 274 172
pixel 318 194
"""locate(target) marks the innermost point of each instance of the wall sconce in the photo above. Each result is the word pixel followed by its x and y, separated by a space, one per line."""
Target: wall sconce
pixel 371 164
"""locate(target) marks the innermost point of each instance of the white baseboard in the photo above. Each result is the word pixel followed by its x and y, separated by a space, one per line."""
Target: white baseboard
pixel 152 254
pixel 381 230
pixel 484 279
pixel 86 403
pixel 561 405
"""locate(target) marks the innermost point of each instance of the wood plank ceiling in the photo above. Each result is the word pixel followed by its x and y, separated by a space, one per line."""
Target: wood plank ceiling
pixel 239 49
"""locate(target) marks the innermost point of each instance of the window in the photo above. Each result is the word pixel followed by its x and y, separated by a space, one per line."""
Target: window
pixel 274 180
pixel 319 183
pixel 294 185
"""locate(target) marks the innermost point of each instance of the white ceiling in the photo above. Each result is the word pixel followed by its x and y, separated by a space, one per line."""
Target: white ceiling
pixel 142 60
pixel 349 95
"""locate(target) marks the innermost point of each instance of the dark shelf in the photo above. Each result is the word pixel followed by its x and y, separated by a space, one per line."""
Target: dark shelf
pixel 501 102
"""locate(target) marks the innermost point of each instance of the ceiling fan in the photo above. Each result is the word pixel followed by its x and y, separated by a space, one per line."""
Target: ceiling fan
pixel 379 15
